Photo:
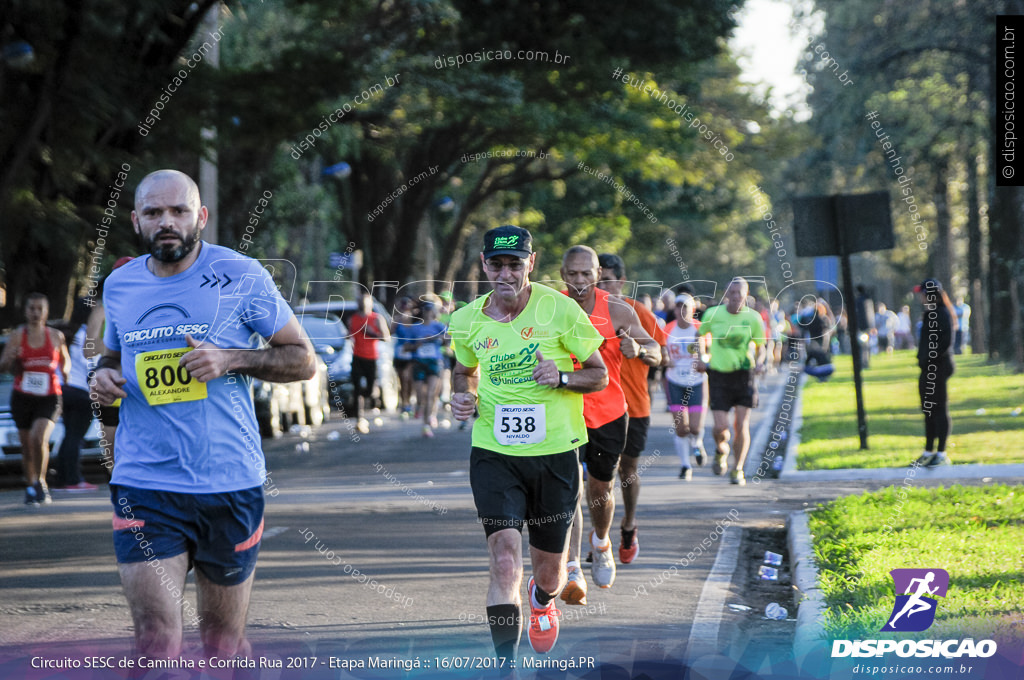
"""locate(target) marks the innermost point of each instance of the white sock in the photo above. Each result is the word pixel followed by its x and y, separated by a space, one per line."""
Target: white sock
pixel 533 598
pixel 683 450
pixel 599 543
pixel 696 442
pixel 572 563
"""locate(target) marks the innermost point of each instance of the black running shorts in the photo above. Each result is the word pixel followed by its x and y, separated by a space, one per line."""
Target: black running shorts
pixel 735 388
pixel 28 408
pixel 606 444
pixel 636 436
pixel 538 491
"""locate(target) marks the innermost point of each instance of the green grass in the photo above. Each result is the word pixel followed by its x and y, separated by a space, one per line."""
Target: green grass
pixel 974 533
pixel 828 438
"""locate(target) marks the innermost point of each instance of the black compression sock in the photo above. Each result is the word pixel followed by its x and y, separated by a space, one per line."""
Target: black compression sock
pixel 506 622
pixel 541 597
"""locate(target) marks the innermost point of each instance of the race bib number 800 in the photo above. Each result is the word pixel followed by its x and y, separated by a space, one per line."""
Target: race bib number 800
pixel 519 424
pixel 163 381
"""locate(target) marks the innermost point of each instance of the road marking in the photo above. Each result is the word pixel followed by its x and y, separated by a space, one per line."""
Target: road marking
pixel 708 617
pixel 274 531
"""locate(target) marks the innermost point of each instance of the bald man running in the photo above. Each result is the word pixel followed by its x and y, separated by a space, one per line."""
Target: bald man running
pixel 604 412
pixel 737 357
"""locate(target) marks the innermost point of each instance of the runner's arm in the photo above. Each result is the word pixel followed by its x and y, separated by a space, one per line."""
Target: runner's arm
pixel 635 340
pixel 9 359
pixel 465 382
pixel 593 377
pixel 289 358
pixel 107 381
pixel 385 332
pixel 759 354
pixel 65 357
pixel 94 333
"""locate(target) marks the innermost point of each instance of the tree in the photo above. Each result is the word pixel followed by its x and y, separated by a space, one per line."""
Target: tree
pixel 937 89
pixel 69 123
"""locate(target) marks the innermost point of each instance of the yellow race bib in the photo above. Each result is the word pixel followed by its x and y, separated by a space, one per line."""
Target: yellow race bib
pixel 163 381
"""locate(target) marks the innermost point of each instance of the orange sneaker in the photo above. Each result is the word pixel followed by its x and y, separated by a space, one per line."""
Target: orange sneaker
pixel 575 590
pixel 543 631
pixel 630 546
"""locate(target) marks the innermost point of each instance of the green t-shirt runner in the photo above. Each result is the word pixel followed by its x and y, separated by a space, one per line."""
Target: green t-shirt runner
pixel 731 335
pixel 506 353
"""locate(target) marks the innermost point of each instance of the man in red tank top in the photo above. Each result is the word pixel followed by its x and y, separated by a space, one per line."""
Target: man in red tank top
pixel 34 353
pixel 604 412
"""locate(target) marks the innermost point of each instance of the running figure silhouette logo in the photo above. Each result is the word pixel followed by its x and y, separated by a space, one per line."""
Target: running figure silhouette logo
pixel 914 610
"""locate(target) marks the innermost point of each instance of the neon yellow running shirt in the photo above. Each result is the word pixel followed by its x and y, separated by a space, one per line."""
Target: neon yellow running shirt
pixel 731 335
pixel 518 417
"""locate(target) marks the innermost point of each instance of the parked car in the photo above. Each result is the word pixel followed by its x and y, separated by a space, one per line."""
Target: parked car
pixel 326 323
pixel 280 405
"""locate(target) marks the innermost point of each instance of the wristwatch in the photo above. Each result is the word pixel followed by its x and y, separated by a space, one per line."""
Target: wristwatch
pixel 563 379
pixel 642 353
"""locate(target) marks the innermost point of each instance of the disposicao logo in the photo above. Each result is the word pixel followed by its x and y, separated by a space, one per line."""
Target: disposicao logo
pixel 913 612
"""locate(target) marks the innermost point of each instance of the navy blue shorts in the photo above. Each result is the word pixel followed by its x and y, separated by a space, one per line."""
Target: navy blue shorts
pixel 219 531
pixel 426 368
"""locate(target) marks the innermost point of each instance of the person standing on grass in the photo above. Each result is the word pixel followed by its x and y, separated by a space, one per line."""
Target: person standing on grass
pixel 935 359
pixel 963 325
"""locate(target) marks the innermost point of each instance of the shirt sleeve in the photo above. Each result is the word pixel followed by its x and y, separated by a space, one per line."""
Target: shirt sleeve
pixel 460 341
pixel 110 337
pixel 757 329
pixel 584 339
pixel 266 312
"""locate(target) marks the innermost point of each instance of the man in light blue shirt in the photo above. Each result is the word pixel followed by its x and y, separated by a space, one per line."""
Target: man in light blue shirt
pixel 182 344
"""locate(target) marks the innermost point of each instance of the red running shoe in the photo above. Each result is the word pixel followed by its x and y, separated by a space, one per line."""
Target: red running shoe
pixel 630 546
pixel 543 631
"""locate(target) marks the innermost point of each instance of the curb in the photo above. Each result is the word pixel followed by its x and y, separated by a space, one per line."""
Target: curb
pixel 984 472
pixel 789 461
pixel 809 598
pixel 759 438
pixel 789 473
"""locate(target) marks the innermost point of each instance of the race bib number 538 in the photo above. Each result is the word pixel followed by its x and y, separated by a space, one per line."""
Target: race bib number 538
pixel 519 424
pixel 163 381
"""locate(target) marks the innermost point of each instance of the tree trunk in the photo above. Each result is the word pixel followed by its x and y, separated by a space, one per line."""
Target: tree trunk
pixel 1006 260
pixel 975 261
pixel 941 251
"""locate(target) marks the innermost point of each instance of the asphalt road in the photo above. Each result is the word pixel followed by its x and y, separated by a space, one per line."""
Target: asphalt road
pixel 395 507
